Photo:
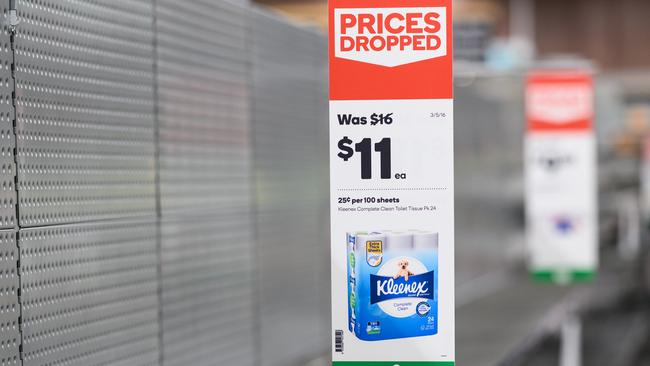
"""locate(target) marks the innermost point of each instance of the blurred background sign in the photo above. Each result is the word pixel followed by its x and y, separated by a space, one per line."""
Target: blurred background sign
pixel 560 157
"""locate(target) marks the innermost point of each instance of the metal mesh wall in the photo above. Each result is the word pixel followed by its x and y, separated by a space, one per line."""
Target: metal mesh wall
pixel 10 338
pixel 289 124
pixel 208 314
pixel 84 110
pixel 90 294
pixel 207 293
pixel 9 307
pixel 102 280
pixel 7 138
pixel 85 146
pixel 203 91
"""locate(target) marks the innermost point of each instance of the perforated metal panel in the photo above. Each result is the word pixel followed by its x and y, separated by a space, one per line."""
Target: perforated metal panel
pixel 10 339
pixel 203 87
pixel 9 307
pixel 290 128
pixel 90 294
pixel 85 110
pixel 205 183
pixel 207 292
pixel 7 138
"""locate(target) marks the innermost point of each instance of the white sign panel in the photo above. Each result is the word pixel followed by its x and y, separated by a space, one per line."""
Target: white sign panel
pixel 392 184
pixel 561 181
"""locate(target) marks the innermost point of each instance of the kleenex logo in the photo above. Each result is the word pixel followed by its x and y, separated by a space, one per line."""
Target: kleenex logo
pixel 387 288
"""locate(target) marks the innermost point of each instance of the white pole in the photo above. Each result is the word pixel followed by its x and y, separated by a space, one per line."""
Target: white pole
pixel 571 342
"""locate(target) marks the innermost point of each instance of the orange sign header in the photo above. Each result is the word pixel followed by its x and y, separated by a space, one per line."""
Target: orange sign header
pixel 390 49
pixel 559 101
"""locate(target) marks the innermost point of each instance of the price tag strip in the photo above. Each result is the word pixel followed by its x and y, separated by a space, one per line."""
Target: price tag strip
pixel 561 184
pixel 392 182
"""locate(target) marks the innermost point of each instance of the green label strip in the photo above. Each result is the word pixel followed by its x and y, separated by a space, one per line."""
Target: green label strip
pixel 564 277
pixel 393 363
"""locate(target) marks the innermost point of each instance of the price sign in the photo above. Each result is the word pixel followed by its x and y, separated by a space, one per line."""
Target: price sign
pixel 392 189
pixel 561 184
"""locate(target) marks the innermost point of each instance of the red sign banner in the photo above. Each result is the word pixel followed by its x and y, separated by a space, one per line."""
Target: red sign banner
pixel 383 49
pixel 559 101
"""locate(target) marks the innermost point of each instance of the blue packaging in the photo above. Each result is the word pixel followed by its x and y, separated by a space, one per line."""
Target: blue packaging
pixel 351 270
pixel 392 284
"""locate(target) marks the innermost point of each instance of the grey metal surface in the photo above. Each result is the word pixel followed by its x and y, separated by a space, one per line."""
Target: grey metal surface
pixel 90 294
pixel 7 138
pixel 208 297
pixel 208 285
pixel 290 140
pixel 10 338
pixel 9 307
pixel 84 110
pixel 204 94
pixel 489 130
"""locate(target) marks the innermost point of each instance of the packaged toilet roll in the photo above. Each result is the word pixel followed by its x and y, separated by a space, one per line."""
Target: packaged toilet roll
pixel 393 284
